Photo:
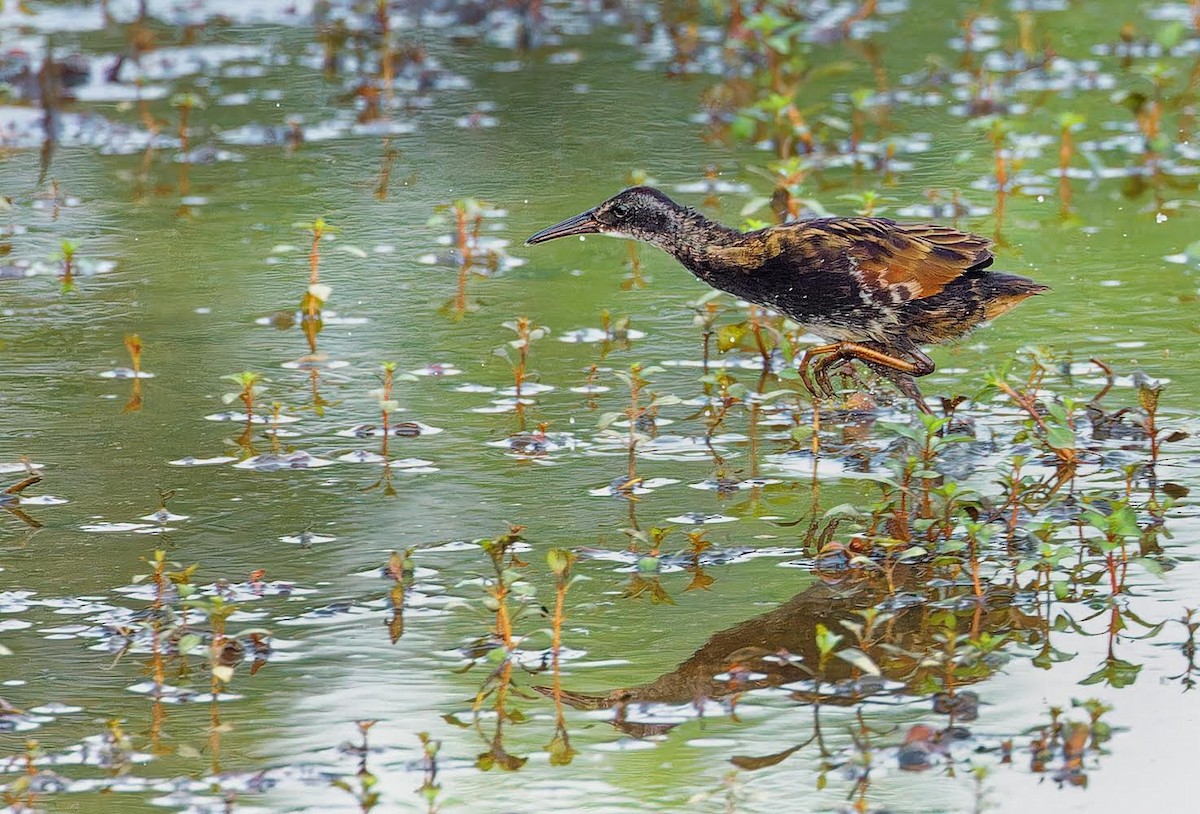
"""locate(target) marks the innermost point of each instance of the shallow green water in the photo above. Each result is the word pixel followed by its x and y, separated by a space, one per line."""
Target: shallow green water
pixel 194 272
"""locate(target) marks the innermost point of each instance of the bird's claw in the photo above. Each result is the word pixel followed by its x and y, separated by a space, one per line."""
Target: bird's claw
pixel 807 378
pixel 823 387
pixel 822 374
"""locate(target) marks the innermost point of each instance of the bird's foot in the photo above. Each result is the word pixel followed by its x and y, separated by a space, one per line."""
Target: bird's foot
pixel 822 374
pixel 899 370
pixel 840 357
pixel 822 388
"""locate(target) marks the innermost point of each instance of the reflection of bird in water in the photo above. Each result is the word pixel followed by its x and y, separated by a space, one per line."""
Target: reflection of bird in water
pixel 780 647
pixel 874 288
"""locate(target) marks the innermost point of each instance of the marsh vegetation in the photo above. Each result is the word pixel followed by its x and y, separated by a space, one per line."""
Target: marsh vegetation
pixel 317 493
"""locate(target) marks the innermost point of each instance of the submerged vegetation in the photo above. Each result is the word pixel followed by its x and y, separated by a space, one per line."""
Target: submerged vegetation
pixel 632 567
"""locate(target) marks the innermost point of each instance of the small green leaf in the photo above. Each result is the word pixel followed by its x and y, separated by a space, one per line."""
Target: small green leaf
pixel 1151 565
pixel 187 643
pixel 859 659
pixel 1060 437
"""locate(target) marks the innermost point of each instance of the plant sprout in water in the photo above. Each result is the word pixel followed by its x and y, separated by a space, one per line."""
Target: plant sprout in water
pixel 868 202
pixel 363 789
pixel 787 177
pixel 133 344
pixel 1068 125
pixel 66 257
pixel 400 572
pixel 645 580
pixel 997 129
pixel 469 214
pixel 706 309
pixel 185 103
pixel 516 353
pixel 560 561
pixel 501 588
pixel 317 293
pixel 387 406
pixel 640 417
pixel 1034 522
pixel 250 386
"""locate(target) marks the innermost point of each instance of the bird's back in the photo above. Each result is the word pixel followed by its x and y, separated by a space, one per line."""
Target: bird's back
pixel 871 279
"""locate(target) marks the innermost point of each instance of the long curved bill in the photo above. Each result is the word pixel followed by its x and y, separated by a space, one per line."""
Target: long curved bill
pixel 582 224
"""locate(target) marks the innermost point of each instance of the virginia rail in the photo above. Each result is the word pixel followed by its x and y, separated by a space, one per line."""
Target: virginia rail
pixel 874 288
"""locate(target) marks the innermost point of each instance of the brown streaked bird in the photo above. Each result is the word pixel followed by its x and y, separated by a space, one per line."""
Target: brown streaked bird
pixel 874 288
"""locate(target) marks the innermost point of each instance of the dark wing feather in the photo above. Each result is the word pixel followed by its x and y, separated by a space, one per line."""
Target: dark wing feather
pixel 902 261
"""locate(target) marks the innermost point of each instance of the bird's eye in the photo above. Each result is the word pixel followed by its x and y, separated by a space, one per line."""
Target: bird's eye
pixel 620 211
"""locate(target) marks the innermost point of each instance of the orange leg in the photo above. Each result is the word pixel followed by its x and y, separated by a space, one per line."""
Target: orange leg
pixel 841 352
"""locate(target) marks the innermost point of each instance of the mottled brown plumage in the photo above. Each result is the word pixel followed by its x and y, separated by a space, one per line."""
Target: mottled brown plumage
pixel 875 288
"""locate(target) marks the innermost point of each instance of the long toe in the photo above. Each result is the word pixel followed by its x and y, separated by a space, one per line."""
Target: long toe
pixel 908 386
pixel 822 374
pixel 807 379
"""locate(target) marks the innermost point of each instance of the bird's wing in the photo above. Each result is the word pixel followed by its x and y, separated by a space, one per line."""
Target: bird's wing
pixel 903 261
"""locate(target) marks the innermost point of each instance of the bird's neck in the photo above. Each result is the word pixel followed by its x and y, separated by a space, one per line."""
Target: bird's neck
pixel 698 243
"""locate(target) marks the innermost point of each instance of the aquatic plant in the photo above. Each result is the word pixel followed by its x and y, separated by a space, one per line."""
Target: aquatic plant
pixel 506 583
pixel 387 405
pixel 20 793
pixel 185 103
pixel 224 654
pixel 1068 125
pixel 363 788
pixel 429 788
pixel 997 129
pixel 1012 527
pixel 560 562
pixel 386 162
pixel 527 332
pixel 317 293
pixel 638 415
pixel 761 331
pixel 1191 623
pixel 868 202
pixel 398 571
pixel 728 393
pixel 1067 742
pixel 251 385
pixel 66 257
pixel 787 177
pixel 133 344
pixel 469 214
pixel 1053 426
pixel 707 309
pixel 774 37
pixel 333 35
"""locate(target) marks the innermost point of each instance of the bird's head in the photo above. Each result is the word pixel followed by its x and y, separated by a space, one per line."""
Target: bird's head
pixel 640 213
